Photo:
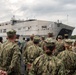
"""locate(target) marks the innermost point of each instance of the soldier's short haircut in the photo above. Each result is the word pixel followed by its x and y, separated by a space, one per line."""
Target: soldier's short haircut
pixel 28 39
pixel 66 36
pixel 43 38
pixel 50 34
pixel 11 36
pixel 31 37
pixel 17 36
pixel 23 38
pixel 36 42
pixel 51 47
pixel 1 39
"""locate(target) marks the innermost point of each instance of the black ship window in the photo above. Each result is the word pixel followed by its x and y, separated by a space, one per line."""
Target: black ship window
pixel 44 27
pixel 4 30
pixel 6 24
pixel 0 31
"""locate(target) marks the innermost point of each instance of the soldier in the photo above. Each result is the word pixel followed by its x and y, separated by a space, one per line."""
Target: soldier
pixel 68 57
pixel 23 43
pixel 1 41
pixel 3 72
pixel 47 64
pixel 32 52
pixel 66 36
pixel 41 44
pixel 10 56
pixel 18 42
pixel 74 46
pixel 29 43
pixel 50 35
pixel 59 45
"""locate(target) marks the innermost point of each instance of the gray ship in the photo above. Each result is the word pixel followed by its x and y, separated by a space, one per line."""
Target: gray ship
pixel 36 27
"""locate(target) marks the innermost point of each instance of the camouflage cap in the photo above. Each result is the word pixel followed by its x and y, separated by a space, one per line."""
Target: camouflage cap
pixel 50 34
pixel 65 34
pixel 50 42
pixel 36 38
pixel 43 37
pixel 59 36
pixel 69 41
pixel 11 32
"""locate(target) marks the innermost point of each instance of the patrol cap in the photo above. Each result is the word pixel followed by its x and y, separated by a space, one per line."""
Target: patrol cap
pixel 43 37
pixel 69 41
pixel 65 34
pixel 50 34
pixel 59 36
pixel 50 42
pixel 36 39
pixel 11 32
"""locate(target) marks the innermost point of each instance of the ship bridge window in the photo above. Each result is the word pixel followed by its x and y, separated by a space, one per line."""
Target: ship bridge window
pixel 6 24
pixel 44 27
pixel 4 30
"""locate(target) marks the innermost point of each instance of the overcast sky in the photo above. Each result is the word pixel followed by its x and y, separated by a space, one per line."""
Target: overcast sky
pixel 51 10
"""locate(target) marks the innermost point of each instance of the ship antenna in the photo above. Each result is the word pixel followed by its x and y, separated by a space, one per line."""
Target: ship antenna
pixel 13 18
pixel 67 19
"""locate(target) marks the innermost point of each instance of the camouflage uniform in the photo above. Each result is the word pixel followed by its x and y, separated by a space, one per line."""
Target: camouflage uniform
pixel 10 57
pixel 41 44
pixel 74 46
pixel 31 53
pixel 69 59
pixel 65 37
pixel 47 64
pixel 0 48
pixel 74 49
pixel 29 43
pixel 59 47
